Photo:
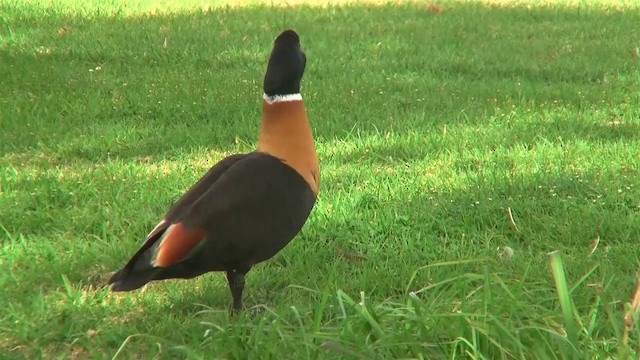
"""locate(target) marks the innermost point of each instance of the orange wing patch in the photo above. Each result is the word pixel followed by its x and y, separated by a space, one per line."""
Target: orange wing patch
pixel 176 244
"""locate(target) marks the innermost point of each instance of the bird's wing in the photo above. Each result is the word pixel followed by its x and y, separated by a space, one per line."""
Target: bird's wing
pixel 252 187
pixel 170 228
pixel 258 202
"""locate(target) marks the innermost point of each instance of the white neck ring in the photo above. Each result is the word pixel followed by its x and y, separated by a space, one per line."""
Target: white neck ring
pixel 281 98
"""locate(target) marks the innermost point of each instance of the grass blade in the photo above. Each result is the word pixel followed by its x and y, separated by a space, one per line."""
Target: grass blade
pixel 564 296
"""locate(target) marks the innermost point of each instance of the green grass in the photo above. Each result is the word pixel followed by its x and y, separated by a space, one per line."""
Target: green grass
pixel 429 127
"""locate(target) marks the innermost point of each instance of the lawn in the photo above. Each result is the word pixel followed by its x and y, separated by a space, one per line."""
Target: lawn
pixel 433 123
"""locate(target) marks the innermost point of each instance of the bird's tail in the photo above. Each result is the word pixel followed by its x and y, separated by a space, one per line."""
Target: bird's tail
pixel 135 275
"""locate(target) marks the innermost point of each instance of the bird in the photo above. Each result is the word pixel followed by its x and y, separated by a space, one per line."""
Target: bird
pixel 248 206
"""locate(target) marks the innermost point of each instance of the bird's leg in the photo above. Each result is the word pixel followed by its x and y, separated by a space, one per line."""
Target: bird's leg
pixel 236 285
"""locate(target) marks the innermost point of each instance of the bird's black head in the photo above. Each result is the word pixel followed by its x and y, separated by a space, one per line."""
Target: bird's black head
pixel 286 65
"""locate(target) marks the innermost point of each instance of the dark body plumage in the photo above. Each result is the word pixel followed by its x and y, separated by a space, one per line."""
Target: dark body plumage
pixel 247 207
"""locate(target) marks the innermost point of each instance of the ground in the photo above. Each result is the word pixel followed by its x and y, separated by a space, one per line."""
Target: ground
pixel 460 143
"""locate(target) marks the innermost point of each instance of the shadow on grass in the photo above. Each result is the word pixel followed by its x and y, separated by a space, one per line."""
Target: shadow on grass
pixel 370 68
